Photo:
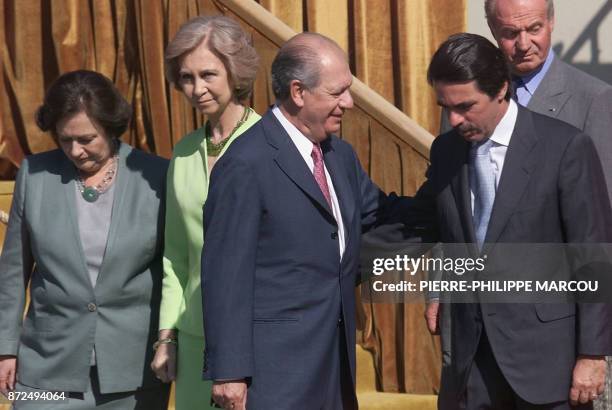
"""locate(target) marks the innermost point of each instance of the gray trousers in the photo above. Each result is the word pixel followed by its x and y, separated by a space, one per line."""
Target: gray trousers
pixel 447 398
pixel 145 399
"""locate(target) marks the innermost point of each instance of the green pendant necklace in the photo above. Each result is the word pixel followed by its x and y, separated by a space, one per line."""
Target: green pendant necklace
pixel 92 193
pixel 214 149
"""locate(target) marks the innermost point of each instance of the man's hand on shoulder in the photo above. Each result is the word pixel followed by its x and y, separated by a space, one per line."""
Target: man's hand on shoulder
pixel 588 379
pixel 230 394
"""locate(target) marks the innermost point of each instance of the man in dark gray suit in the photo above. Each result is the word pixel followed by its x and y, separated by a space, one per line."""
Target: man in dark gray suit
pixel 507 175
pixel 544 84
pixel 549 86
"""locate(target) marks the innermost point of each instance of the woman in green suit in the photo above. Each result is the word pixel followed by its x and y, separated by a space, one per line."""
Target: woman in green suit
pixel 86 232
pixel 212 61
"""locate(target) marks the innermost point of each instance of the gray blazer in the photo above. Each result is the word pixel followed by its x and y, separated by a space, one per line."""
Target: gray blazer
pixel 581 100
pixel 67 317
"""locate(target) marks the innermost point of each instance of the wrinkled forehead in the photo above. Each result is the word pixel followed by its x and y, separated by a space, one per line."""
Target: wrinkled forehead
pixel 520 12
pixel 335 72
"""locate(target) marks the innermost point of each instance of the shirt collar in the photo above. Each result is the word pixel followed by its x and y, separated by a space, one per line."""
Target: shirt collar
pixel 503 132
pixel 533 79
pixel 303 144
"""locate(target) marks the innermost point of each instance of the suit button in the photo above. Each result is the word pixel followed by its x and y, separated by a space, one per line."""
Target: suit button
pixel 334 235
pixel 91 307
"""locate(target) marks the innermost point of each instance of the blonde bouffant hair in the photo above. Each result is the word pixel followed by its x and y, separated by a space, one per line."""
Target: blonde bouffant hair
pixel 227 40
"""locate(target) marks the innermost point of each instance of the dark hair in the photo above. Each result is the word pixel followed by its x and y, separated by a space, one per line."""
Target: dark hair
pixel 470 57
pixel 87 91
pixel 299 59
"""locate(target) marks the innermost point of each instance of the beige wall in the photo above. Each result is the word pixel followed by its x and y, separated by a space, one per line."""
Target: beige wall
pixel 582 34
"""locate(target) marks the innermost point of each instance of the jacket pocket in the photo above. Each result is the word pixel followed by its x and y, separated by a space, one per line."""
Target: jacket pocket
pixel 555 311
pixel 272 320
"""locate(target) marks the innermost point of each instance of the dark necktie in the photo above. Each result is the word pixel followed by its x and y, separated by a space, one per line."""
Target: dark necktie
pixel 521 93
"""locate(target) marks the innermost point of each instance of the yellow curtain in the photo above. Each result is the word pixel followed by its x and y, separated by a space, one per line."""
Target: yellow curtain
pixel 389 43
pixel 122 39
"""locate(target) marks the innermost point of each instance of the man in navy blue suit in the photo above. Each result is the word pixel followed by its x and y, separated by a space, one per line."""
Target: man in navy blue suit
pixel 283 221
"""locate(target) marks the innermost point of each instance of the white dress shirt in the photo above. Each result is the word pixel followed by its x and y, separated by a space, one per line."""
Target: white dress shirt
pixel 501 139
pixel 304 146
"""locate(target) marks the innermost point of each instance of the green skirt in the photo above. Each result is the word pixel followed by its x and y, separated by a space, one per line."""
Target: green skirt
pixel 190 390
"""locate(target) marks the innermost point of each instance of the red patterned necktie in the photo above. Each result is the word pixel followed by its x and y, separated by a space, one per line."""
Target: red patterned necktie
pixel 319 172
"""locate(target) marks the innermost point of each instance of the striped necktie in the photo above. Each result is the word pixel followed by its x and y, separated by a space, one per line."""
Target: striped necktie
pixel 319 172
pixel 482 181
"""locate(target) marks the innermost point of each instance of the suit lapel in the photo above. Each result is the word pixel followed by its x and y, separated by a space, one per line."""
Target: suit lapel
pixel 518 165
pixel 121 189
pixel 68 185
pixel 550 96
pixel 460 185
pixel 341 184
pixel 291 162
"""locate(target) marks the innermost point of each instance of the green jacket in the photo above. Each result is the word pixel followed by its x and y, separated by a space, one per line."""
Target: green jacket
pixel 187 189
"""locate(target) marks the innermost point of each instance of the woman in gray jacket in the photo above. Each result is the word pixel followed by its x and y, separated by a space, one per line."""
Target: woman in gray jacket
pixel 86 233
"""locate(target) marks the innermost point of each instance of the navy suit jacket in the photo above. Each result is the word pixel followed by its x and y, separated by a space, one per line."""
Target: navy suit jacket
pixel 273 284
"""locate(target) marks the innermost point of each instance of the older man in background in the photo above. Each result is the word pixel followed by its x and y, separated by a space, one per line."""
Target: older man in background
pixel 542 81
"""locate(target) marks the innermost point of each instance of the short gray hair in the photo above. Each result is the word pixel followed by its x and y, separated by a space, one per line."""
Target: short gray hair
pixel 299 60
pixel 489 6
pixel 226 39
